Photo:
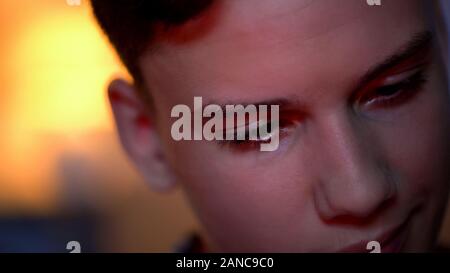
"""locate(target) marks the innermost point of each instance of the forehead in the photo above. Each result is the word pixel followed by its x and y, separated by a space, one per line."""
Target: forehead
pixel 253 49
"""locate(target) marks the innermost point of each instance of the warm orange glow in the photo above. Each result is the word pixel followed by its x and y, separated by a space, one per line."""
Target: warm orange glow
pixel 56 66
pixel 62 63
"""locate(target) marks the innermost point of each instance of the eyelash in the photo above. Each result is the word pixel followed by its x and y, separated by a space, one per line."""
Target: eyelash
pixel 396 94
pixel 251 145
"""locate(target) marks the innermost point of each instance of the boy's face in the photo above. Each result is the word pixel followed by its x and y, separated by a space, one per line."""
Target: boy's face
pixel 363 156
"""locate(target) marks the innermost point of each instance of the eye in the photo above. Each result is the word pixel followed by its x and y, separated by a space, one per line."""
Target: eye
pixel 394 90
pixel 287 124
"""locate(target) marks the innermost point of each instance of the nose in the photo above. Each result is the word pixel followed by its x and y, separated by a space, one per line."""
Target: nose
pixel 353 180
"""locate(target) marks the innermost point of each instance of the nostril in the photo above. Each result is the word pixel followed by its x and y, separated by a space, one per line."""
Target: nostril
pixel 353 202
pixel 373 216
pixel 363 218
pixel 327 206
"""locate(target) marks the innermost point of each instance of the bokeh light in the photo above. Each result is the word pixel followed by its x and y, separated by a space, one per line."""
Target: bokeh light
pixel 55 66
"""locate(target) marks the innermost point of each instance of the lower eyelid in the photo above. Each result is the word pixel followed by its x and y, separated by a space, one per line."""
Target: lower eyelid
pixel 239 145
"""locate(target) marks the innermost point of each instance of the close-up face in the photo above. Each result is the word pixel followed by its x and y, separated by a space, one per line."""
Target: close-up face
pixel 364 124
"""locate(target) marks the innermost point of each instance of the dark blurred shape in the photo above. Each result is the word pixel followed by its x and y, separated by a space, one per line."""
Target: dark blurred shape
pixel 46 234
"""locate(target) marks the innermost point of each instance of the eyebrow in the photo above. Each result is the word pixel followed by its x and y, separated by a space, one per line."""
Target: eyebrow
pixel 420 42
pixel 284 103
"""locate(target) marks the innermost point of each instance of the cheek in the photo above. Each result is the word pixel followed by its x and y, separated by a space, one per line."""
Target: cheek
pixel 417 144
pixel 245 198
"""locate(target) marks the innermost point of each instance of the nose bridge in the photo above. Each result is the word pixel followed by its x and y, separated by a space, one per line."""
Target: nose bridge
pixel 354 181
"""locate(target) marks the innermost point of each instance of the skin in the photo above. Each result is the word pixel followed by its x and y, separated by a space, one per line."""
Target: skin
pixel 344 174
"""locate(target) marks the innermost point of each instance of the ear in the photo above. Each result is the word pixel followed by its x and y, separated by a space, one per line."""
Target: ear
pixel 138 135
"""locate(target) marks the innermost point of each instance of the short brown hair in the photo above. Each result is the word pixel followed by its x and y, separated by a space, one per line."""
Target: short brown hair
pixel 129 24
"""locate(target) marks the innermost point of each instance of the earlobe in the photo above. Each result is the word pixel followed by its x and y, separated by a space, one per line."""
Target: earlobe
pixel 138 136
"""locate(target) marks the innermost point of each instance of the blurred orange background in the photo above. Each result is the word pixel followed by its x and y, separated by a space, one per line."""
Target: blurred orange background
pixel 59 153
